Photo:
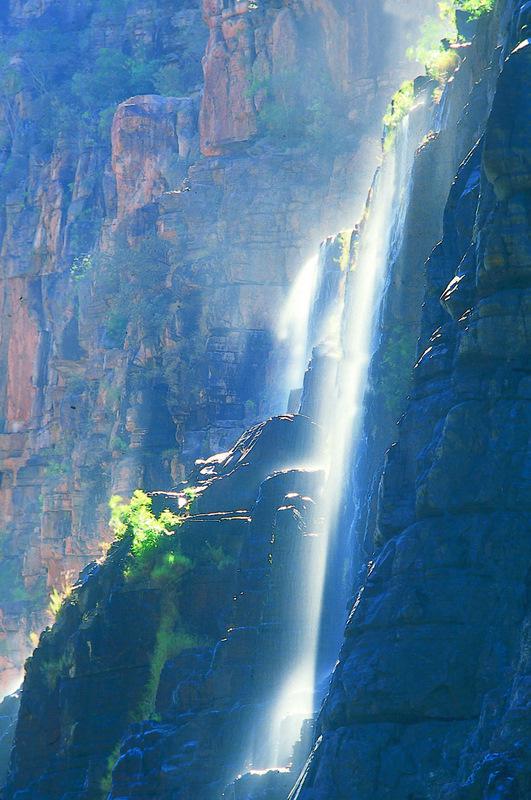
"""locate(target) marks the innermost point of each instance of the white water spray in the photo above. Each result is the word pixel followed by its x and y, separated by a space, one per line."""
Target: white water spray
pixel 293 323
pixel 350 333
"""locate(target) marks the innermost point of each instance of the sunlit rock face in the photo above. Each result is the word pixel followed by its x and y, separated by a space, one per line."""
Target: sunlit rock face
pixel 91 676
pixel 140 280
pixel 353 46
pixel 431 696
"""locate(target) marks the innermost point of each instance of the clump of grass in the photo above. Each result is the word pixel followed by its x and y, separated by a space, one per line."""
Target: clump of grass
pixel 52 670
pixel 475 8
pixel 219 557
pixel 155 552
pixel 171 640
pixel 59 596
pixel 399 107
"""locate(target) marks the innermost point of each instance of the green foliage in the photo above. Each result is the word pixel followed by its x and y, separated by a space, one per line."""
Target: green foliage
pixel 432 48
pixel 291 111
pixel 133 281
pixel 56 601
pixel 191 493
pixel 56 469
pixel 171 640
pixel 399 107
pixel 475 8
pixel 219 557
pixel 156 554
pixel 429 48
pixel 113 77
pixel 53 670
pixel 137 520
pixel 343 244
pixel 169 566
pixel 118 444
pixel 156 557
pixel 106 781
pixel 396 369
pixel 168 80
pixel 12 586
pixel 81 267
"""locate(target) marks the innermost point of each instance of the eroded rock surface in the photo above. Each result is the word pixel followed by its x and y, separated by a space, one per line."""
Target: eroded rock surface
pixel 430 698
pixel 141 280
pixel 97 670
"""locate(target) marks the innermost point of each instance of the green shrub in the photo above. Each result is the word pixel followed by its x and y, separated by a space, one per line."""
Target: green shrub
pixel 156 554
pixel 475 8
pixel 219 557
pixel 137 520
pixel 113 77
pixel 156 557
pixel 443 65
pixel 81 267
pixel 132 281
pixel 118 444
pixel 52 670
pixel 171 640
pixel 432 48
pixel 168 80
pixel 429 47
pixel 399 107
pixel 294 112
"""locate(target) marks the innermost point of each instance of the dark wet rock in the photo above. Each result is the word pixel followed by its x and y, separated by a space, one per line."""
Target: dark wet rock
pixel 87 680
pixel 9 708
pixel 272 785
pixel 430 698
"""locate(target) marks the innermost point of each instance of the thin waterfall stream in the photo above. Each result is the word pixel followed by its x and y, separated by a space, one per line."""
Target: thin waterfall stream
pixel 331 321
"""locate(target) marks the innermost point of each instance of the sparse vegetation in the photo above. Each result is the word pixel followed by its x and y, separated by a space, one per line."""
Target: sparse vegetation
pixel 157 557
pixel 475 8
pixel 399 107
pixel 433 48
pixel 136 519
pixel 118 444
pixel 218 556
pixel 156 553
pixel 52 670
pixel 59 596
pixel 171 640
pixel 288 113
pixel 81 267
pixel 168 80
pixel 75 88
pixel 133 281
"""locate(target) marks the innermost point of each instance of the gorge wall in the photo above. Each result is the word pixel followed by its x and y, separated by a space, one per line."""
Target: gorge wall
pixel 430 698
pixel 155 678
pixel 143 265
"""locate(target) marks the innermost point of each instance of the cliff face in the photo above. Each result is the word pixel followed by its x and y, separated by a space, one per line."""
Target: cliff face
pixel 143 266
pixel 158 670
pixel 156 677
pixel 430 697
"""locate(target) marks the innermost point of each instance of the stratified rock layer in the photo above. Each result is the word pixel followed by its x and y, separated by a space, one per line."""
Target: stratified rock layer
pixel 431 695
pixel 140 283
pixel 252 522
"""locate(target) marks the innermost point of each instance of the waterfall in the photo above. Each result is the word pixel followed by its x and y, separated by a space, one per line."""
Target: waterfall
pixel 294 324
pixel 332 315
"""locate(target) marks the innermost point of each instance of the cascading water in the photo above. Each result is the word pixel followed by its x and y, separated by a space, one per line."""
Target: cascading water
pixel 294 323
pixel 339 330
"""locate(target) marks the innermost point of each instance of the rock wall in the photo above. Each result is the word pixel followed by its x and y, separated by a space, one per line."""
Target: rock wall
pixel 142 271
pixel 430 697
pixel 103 691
